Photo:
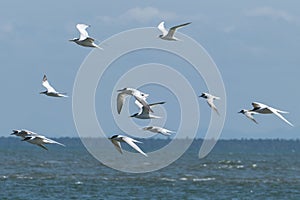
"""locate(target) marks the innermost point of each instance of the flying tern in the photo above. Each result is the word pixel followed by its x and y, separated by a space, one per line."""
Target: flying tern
pixel 169 35
pixel 156 129
pixel 50 90
pixel 84 39
pixel 249 114
pixel 117 139
pixel 260 108
pixel 265 109
pixel 34 138
pixel 210 101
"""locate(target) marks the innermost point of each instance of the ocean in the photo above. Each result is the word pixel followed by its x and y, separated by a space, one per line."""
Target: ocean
pixel 235 169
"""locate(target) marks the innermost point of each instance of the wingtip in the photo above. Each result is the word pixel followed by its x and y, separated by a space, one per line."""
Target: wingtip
pixel 44 77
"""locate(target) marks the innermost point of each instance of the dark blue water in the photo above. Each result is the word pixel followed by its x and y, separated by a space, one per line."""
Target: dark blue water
pixel 235 169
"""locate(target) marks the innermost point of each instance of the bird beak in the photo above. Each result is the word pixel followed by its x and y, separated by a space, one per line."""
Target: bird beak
pixel 240 112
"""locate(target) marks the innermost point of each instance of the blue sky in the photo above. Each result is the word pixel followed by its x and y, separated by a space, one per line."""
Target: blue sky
pixel 255 45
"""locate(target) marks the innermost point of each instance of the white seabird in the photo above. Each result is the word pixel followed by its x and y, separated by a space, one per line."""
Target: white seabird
pixel 84 39
pixel 210 100
pixel 34 138
pixel 50 90
pixel 169 35
pixel 138 95
pixel 144 112
pixel 156 129
pixel 249 114
pixel 117 139
pixel 265 109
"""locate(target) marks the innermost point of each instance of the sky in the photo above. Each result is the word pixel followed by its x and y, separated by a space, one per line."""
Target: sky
pixel 255 45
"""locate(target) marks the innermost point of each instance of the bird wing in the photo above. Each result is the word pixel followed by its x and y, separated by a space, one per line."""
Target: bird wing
pixel 165 131
pixel 153 104
pixel 162 28
pixel 257 105
pixel 210 102
pixel 279 115
pixel 47 140
pixel 117 145
pixel 120 100
pixel 91 40
pixel 47 85
pixel 42 146
pixel 250 116
pixel 82 30
pixel 142 100
pixel 174 28
pixel 62 95
pixel 138 104
pixel 131 143
pixel 145 110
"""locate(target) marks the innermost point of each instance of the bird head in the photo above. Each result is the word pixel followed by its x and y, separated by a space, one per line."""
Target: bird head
pixel 203 95
pixel 242 111
pixel 14 132
pixel 112 137
pixel 144 95
pixel 74 40
pixel 147 128
pixel 121 90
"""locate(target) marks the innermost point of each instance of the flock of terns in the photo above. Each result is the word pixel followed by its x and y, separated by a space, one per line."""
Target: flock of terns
pixel 140 100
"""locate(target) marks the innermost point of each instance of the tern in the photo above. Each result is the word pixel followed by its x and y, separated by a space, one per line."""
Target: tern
pixel 156 129
pixel 249 114
pixel 84 39
pixel 117 139
pixel 210 101
pixel 265 109
pixel 34 138
pixel 139 96
pixel 144 112
pixel 169 35
pixel 50 90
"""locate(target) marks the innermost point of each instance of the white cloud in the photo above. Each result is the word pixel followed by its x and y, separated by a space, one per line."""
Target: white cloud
pixel 141 15
pixel 270 12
